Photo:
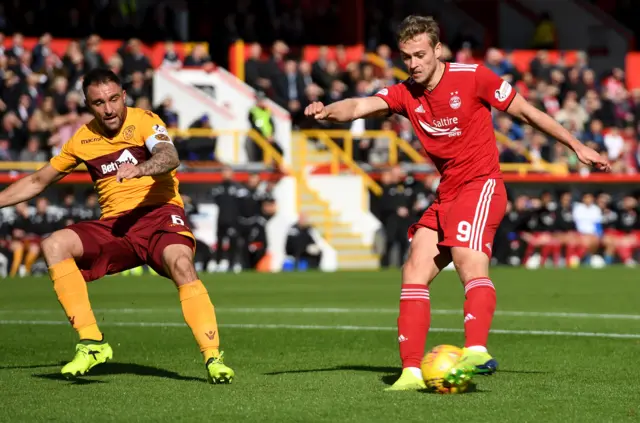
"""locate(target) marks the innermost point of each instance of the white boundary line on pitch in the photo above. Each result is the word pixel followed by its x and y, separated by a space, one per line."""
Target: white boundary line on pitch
pixel 337 310
pixel 336 328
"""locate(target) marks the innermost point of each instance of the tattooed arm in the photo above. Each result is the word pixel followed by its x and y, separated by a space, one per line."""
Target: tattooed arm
pixel 164 159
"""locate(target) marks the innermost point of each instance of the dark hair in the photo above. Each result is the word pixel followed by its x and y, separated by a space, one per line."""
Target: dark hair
pixel 99 76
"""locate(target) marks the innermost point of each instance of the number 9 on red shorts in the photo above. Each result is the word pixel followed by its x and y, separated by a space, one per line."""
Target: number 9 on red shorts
pixel 470 219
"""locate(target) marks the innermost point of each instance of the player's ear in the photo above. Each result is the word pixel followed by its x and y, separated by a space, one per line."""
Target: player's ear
pixel 437 51
pixel 124 96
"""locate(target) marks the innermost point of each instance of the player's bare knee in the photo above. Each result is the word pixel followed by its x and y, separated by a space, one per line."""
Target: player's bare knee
pixel 61 245
pixel 418 271
pixel 470 263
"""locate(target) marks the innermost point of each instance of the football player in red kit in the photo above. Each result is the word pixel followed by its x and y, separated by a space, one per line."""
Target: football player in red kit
pixel 449 106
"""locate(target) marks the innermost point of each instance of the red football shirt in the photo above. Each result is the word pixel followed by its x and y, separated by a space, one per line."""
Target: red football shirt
pixel 453 121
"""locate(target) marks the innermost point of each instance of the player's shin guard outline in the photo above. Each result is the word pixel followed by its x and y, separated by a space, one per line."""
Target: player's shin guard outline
pixel 479 308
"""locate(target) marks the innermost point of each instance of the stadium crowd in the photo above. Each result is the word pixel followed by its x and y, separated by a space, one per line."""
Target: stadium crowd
pixel 597 109
pixel 552 228
pixel 41 105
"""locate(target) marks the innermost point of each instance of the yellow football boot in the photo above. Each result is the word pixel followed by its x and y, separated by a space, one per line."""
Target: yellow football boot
pixel 408 382
pixel 218 372
pixel 469 364
pixel 87 356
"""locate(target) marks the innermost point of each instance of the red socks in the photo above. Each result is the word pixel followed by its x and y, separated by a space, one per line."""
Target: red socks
pixel 415 318
pixel 413 323
pixel 479 306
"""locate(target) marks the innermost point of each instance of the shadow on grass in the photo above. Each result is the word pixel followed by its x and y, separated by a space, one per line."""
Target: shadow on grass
pixel 120 369
pixel 373 369
pixel 31 366
pixel 390 374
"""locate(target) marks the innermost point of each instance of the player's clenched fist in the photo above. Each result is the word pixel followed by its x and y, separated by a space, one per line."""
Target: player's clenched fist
pixel 317 110
pixel 127 171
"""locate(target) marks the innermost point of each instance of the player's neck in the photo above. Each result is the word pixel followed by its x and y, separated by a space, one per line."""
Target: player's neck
pixel 436 77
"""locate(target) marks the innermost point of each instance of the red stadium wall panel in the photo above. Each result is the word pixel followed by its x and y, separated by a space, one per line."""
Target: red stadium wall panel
pixel 632 70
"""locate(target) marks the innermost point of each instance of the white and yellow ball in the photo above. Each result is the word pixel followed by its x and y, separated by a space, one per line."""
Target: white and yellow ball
pixel 436 363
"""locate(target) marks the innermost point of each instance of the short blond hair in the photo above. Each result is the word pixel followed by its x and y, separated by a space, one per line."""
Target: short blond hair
pixel 414 25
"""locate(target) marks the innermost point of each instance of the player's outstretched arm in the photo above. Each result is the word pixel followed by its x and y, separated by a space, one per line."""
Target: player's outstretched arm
pixel 348 109
pixel 30 186
pixel 164 159
pixel 524 111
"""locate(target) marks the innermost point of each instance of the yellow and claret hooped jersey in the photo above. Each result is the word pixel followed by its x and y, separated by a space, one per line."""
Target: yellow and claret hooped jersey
pixel 103 156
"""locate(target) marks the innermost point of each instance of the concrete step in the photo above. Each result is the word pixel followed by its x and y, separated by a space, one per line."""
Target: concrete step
pixel 355 251
pixel 359 262
pixel 312 208
pixel 308 197
pixel 338 231
pixel 322 220
pixel 347 243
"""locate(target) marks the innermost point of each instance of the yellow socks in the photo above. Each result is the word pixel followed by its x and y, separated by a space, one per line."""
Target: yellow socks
pixel 200 315
pixel 18 255
pixel 73 295
pixel 32 256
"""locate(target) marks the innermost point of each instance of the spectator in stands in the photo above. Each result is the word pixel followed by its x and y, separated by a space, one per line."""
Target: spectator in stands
pixel 304 68
pixel 41 51
pixel 588 219
pixel 198 57
pixel 545 35
pixel 6 155
pixel 200 146
pixel 572 113
pixel 256 70
pixel 167 112
pixel 134 59
pixel 301 245
pixel 92 56
pixel 289 89
pixel 225 196
pixel 137 88
pixel 170 59
pixel 261 120
pixel 14 131
pixel 32 152
pixel 614 144
pixel 395 213
pixel 17 48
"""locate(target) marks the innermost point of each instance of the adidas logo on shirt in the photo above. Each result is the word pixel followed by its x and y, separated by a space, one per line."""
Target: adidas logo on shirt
pixel 420 109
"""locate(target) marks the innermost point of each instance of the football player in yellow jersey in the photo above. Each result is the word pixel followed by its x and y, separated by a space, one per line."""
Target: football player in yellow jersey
pixel 132 162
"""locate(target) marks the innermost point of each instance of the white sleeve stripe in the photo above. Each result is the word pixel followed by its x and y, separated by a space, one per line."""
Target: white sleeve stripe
pixel 152 141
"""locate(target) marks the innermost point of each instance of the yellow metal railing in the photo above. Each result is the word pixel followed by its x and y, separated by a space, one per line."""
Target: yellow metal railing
pixel 557 169
pixel 340 156
pixel 378 61
pixel 396 144
pixel 270 153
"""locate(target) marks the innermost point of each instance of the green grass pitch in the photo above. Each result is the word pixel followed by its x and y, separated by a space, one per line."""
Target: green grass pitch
pixel 314 347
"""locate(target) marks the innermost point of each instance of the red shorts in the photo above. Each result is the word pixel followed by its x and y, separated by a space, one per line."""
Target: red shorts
pixel 130 240
pixel 471 219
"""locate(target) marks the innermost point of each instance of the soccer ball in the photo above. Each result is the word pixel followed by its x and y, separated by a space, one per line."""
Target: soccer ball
pixel 436 363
